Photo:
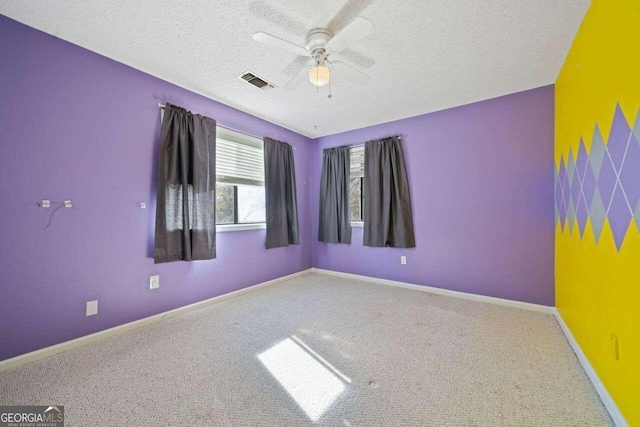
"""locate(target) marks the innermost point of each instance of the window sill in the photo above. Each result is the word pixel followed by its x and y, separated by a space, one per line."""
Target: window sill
pixel 357 224
pixel 240 227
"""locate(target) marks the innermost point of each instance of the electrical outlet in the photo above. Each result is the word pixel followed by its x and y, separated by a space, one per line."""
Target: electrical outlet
pixel 403 259
pixel 92 308
pixel 615 352
pixel 154 282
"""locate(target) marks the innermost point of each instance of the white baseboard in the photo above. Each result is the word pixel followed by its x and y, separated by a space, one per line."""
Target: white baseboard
pixel 606 398
pixel 68 345
pixel 444 292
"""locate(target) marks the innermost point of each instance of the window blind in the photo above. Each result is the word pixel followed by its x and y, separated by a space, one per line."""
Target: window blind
pixel 357 161
pixel 239 158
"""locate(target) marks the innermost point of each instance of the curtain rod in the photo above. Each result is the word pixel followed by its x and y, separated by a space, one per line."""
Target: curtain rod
pixel 359 145
pixel 162 107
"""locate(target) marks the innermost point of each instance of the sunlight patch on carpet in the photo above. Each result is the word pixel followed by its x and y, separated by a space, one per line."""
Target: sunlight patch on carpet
pixel 308 382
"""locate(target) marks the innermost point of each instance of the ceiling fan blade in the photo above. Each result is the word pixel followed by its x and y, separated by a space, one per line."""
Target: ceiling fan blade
pixel 355 31
pixel 282 44
pixel 295 65
pixel 346 13
pixel 278 16
pixel 297 80
pixel 348 72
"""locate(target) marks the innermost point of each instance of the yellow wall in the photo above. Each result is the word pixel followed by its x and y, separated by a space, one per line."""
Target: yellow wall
pixel 597 286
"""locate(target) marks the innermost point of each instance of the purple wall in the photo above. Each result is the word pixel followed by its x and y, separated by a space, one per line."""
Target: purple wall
pixel 481 178
pixel 80 126
pixel 76 125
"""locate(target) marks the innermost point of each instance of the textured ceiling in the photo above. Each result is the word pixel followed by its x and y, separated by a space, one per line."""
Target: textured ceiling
pixel 424 55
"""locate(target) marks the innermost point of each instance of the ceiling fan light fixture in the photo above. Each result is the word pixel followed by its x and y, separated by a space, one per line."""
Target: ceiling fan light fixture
pixel 319 75
pixel 321 43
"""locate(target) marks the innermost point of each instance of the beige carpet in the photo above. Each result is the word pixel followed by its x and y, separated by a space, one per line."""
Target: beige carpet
pixel 322 350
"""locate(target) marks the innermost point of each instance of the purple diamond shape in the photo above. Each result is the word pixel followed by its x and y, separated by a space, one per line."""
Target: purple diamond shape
pixel 582 213
pixel 607 181
pixel 562 180
pixel 582 160
pixel 619 217
pixel 558 191
pixel 571 214
pixel 630 174
pixel 597 152
pixel 562 172
pixel 618 138
pixel 558 198
pixel 571 166
pixel 582 209
pixel 588 185
pixel 562 183
pixel 562 212
pixel 576 188
pixel 597 214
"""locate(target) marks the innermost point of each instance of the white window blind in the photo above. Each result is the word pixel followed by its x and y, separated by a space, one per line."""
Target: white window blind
pixel 357 161
pixel 239 158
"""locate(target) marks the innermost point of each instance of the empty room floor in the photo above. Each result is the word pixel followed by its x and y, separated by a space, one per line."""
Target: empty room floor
pixel 319 349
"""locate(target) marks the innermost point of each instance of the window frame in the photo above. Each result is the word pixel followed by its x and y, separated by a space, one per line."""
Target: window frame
pixel 241 227
pixel 360 222
pixel 235 208
pixel 238 137
pixel 357 223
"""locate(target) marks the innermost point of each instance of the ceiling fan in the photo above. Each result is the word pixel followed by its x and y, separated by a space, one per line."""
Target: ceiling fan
pixel 320 44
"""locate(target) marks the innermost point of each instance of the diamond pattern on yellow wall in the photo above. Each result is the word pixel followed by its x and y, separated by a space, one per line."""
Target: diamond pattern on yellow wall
pixel 603 183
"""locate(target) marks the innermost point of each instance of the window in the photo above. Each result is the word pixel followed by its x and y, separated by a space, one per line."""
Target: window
pixel 356 184
pixel 240 197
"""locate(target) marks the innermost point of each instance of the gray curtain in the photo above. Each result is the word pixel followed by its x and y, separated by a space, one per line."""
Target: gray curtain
pixel 387 205
pixel 186 198
pixel 335 221
pixel 280 190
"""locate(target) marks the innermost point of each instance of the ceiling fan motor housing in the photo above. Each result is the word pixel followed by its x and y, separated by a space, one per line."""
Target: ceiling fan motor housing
pixel 317 39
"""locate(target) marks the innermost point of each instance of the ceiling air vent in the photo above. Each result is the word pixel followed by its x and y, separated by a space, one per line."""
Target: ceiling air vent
pixel 256 81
